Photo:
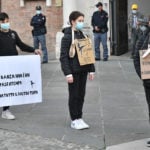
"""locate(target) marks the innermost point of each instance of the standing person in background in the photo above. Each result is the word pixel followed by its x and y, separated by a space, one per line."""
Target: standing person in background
pixel 76 75
pixel 9 39
pixel 99 23
pixel 134 24
pixel 39 30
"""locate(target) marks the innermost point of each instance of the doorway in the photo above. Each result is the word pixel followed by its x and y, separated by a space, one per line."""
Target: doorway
pixel 119 27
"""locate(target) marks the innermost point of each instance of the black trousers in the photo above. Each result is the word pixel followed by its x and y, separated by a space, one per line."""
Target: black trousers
pixel 146 84
pixel 76 95
pixel 134 38
pixel 5 108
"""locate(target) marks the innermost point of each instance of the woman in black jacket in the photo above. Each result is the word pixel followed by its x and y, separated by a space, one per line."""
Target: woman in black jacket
pixel 142 44
pixel 76 75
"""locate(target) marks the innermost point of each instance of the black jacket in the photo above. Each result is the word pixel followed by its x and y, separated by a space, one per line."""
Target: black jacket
pixel 71 65
pixel 38 23
pixel 141 44
pixel 9 41
pixel 100 20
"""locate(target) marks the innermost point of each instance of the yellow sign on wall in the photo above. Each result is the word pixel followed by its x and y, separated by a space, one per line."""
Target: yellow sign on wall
pixel 58 3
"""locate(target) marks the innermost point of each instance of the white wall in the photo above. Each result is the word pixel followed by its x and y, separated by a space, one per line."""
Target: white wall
pixel 88 7
pixel 68 7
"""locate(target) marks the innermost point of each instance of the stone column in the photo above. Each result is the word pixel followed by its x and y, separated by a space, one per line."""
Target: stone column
pixel 68 7
pixel 21 3
pixel 0 5
pixel 106 8
pixel 48 3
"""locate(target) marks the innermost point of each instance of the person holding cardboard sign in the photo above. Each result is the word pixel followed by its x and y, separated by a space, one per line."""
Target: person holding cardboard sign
pixel 9 39
pixel 76 74
pixel 141 45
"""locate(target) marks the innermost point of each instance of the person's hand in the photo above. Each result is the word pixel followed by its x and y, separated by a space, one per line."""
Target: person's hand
pixel 91 76
pixel 138 23
pixel 96 28
pixel 146 53
pixel 38 52
pixel 69 79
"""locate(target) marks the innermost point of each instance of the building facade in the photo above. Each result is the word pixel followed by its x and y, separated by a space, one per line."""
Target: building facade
pixel 21 12
pixel 57 13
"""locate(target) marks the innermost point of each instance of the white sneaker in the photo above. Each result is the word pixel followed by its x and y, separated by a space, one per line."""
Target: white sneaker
pixel 76 124
pixel 84 125
pixel 148 143
pixel 7 115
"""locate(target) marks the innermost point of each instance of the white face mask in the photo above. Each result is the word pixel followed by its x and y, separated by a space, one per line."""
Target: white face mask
pixel 5 26
pixel 79 25
pixel 134 11
pixel 38 12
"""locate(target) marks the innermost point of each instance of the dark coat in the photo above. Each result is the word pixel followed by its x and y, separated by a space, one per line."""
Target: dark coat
pixel 71 65
pixel 141 44
pixel 38 23
pixel 9 41
pixel 100 20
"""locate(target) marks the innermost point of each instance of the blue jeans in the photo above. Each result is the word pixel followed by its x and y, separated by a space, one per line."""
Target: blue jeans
pixel 41 40
pixel 98 38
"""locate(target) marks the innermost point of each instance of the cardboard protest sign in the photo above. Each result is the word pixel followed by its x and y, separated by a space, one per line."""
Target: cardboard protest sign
pixel 145 65
pixel 20 80
pixel 85 51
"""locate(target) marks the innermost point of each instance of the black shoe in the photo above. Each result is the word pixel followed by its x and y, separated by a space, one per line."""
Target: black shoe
pixel 148 143
pixel 105 59
pixel 97 59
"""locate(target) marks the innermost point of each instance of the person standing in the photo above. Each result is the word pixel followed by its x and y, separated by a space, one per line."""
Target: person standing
pixel 99 23
pixel 134 25
pixel 39 30
pixel 76 75
pixel 9 39
pixel 143 43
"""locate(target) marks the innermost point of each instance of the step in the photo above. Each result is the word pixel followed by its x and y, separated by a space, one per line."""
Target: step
pixel 134 145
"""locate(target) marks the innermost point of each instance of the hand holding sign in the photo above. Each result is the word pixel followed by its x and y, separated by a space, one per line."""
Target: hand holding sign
pixel 38 52
pixel 145 64
pixel 146 53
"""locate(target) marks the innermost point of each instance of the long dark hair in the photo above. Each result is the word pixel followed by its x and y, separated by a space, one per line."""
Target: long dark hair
pixel 74 15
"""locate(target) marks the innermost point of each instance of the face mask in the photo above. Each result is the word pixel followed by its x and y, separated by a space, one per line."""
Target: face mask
pixel 79 25
pixel 38 12
pixel 134 11
pixel 5 26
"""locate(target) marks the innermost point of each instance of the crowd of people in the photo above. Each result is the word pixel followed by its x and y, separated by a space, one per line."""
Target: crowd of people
pixel 75 73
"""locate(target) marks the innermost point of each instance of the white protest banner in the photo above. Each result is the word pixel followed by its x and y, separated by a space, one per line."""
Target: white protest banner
pixel 20 80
